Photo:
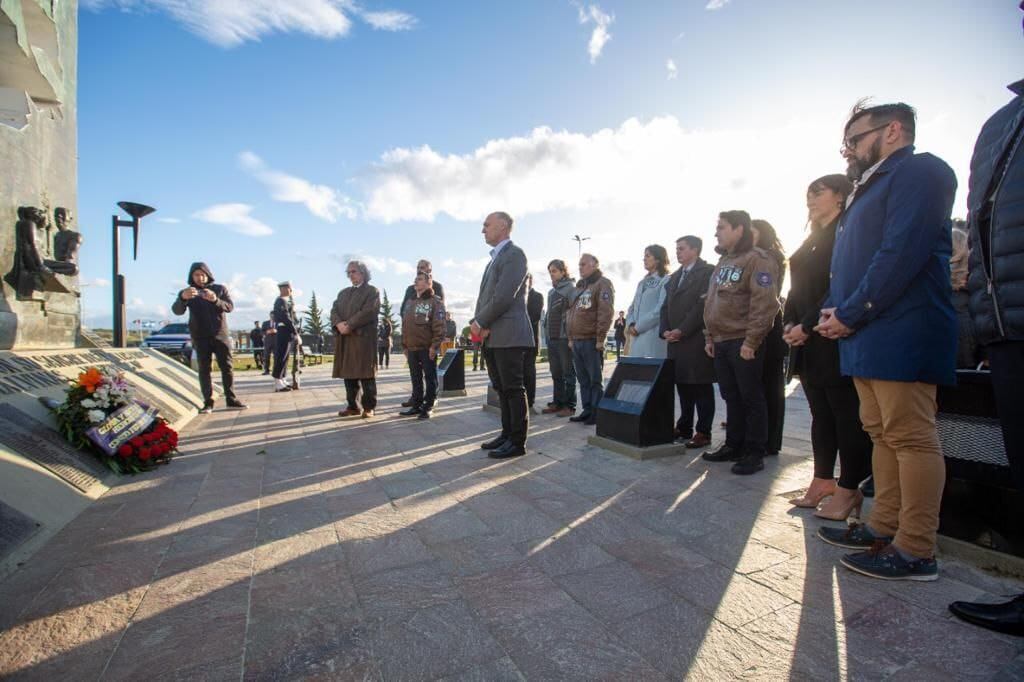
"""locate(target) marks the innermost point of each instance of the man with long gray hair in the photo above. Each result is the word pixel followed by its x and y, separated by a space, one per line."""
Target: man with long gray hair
pixel 354 319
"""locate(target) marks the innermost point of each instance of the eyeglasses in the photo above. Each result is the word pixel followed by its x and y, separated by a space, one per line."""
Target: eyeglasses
pixel 850 143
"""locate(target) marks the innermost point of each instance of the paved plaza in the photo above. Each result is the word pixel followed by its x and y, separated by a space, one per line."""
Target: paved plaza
pixel 285 543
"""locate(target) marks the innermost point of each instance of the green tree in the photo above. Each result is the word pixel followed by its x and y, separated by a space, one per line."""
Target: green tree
pixel 389 313
pixel 313 321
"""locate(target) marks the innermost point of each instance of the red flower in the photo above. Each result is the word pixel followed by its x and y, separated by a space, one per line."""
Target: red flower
pixel 137 442
pixel 145 454
pixel 125 451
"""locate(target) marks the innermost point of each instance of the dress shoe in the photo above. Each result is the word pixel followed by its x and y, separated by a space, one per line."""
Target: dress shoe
pixel 566 412
pixel 411 412
pixel 424 414
pixel 283 389
pixel 508 449
pixel 582 416
pixel 408 403
pixel 748 464
pixel 551 409
pixel 1005 617
pixel 699 440
pixel 350 412
pixel 494 444
pixel 724 453
pixel 236 404
pixel 841 509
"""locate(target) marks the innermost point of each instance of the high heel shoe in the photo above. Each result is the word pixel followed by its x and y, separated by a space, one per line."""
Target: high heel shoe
pixel 811 502
pixel 839 510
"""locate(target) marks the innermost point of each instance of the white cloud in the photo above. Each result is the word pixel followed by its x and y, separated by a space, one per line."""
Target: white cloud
pixel 229 23
pixel 377 264
pixel 169 221
pixel 673 72
pixel 235 217
pixel 716 4
pixel 600 36
pixel 322 201
pixel 471 266
pixel 390 20
pixel 98 282
pixel 621 269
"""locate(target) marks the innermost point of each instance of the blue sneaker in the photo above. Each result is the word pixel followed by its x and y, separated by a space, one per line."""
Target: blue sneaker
pixel 887 564
pixel 854 536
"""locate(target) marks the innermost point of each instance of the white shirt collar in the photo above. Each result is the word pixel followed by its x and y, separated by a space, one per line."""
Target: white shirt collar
pixel 865 176
pixel 500 245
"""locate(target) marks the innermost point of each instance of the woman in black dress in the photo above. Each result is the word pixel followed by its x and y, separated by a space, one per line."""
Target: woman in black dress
pixel 835 422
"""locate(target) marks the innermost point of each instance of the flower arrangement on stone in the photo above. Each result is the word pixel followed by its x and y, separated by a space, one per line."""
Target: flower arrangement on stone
pixel 101 414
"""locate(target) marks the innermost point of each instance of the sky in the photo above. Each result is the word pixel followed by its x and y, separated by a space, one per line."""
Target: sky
pixel 279 139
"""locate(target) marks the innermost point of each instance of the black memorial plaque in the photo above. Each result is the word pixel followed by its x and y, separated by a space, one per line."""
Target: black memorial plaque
pixel 15 528
pixel 166 410
pixel 35 440
pixel 183 386
pixel 451 375
pixel 638 406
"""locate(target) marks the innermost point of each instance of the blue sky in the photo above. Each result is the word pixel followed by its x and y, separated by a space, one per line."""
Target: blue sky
pixel 278 138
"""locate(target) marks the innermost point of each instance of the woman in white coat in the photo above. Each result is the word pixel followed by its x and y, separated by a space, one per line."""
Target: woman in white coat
pixel 644 317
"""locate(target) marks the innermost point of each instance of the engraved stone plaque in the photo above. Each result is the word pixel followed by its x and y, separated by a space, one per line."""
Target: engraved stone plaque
pixel 39 442
pixel 168 412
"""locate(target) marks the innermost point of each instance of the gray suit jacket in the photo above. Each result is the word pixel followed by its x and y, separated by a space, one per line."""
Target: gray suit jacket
pixel 501 305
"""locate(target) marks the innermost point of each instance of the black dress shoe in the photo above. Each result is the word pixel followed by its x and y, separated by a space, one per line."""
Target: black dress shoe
pixel 1005 617
pixel 582 416
pixel 424 414
pixel 509 449
pixel 411 412
pixel 494 444
pixel 724 453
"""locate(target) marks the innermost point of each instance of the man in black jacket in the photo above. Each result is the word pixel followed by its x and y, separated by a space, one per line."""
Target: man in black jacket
pixel 208 305
pixel 256 343
pixel 682 326
pixel 995 217
pixel 535 310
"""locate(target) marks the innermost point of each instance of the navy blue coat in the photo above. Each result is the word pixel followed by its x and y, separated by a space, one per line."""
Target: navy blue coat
pixel 890 273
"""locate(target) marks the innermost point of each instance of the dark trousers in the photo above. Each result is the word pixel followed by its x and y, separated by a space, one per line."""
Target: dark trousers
pixel 205 350
pixel 588 360
pixel 505 369
pixel 836 427
pixel 700 397
pixel 775 350
pixel 269 343
pixel 257 355
pixel 282 349
pixel 741 383
pixel 368 400
pixel 1006 360
pixel 619 343
pixel 563 373
pixel 421 368
pixel 383 357
pixel 530 376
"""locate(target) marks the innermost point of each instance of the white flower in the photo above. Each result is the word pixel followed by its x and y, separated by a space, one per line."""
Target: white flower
pixel 88 403
pixel 96 416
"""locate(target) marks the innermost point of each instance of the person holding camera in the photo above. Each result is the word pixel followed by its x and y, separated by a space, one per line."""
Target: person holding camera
pixel 208 304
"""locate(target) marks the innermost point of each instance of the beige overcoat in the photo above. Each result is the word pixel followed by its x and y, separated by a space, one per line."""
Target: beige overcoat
pixel 355 354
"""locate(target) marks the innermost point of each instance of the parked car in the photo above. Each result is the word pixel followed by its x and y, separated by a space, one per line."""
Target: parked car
pixel 174 340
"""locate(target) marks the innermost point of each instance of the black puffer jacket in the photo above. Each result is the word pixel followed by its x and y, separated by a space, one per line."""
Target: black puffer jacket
pixel 206 319
pixel 996 281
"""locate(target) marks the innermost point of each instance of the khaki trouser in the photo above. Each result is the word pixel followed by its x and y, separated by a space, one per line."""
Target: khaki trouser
pixel 907 461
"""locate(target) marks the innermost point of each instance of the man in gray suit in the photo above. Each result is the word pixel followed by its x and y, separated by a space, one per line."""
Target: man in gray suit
pixel 502 322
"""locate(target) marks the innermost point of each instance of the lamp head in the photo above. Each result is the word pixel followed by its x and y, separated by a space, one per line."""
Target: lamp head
pixel 137 212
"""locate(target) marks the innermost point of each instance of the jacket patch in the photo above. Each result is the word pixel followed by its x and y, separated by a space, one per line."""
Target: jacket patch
pixel 728 274
pixel 605 296
pixel 764 279
pixel 585 300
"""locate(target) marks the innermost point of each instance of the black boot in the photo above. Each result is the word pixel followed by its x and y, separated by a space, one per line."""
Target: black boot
pixel 1005 617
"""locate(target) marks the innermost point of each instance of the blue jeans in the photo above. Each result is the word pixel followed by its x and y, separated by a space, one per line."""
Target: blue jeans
pixel 586 356
pixel 563 374
pixel 741 383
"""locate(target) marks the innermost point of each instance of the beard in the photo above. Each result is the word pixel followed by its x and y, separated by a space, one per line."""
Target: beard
pixel 856 166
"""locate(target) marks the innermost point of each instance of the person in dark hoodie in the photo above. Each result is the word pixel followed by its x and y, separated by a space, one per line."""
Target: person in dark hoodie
pixel 208 305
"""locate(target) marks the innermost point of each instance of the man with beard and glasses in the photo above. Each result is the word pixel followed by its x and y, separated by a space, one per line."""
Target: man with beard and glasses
pixel 890 306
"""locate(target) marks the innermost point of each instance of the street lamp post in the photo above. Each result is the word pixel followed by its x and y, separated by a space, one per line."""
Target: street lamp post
pixel 137 212
pixel 579 244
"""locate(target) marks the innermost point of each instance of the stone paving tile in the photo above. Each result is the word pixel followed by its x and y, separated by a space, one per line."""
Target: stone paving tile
pixel 288 544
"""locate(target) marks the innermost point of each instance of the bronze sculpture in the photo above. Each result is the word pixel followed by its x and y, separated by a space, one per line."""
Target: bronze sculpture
pixel 65 245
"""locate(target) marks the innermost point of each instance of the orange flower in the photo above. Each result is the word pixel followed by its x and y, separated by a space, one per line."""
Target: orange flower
pixel 90 379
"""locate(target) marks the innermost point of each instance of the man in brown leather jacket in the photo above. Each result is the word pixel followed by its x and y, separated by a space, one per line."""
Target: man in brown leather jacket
pixel 588 322
pixel 738 313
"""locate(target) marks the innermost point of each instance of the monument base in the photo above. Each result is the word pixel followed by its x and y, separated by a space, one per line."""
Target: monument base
pixel 45 482
pixel 461 393
pixel 635 451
